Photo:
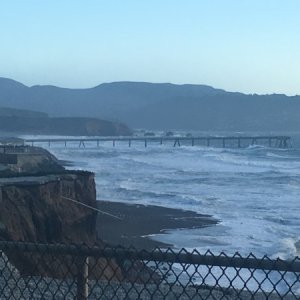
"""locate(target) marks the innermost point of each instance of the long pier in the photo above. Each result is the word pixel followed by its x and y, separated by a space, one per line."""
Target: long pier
pixel 176 141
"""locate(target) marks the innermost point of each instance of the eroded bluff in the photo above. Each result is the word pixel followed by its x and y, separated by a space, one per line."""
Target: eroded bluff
pixel 39 207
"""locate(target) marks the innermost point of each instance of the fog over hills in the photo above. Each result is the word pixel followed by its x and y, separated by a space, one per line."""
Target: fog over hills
pixel 159 105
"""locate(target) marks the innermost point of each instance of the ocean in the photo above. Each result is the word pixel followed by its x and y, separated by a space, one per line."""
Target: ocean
pixel 253 192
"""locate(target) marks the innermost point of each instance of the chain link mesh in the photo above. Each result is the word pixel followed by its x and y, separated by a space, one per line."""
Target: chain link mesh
pixel 44 271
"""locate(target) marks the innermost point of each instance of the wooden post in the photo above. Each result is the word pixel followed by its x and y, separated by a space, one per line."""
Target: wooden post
pixel 129 143
pixel 193 142
pixel 49 143
pixel 145 143
pixel 97 143
pixel 114 143
pixel 161 141
pixel 82 278
pixel 65 143
pixel 207 142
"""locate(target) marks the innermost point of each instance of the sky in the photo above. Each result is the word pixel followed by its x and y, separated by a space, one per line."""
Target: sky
pixel 251 46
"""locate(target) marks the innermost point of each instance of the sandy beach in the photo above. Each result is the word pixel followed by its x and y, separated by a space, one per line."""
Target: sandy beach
pixel 136 222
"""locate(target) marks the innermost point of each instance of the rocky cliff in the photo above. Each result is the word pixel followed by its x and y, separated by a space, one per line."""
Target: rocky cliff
pixel 37 209
pixel 32 208
pixel 37 205
pixel 41 202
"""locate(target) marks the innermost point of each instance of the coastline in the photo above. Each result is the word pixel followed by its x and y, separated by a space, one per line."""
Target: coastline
pixel 137 222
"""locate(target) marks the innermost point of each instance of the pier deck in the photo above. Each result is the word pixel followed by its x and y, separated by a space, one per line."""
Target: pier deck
pixel 210 141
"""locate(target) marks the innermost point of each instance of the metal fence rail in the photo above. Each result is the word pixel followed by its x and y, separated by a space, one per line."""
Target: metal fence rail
pixel 47 271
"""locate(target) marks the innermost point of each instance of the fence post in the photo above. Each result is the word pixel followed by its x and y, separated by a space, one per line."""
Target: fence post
pixel 82 278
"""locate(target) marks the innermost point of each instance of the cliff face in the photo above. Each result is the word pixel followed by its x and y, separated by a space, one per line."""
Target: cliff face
pixel 37 205
pixel 33 208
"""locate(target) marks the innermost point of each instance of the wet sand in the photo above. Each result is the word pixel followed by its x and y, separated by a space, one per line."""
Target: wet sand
pixel 137 221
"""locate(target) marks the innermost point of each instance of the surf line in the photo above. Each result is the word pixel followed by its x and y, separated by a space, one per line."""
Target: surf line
pixel 92 208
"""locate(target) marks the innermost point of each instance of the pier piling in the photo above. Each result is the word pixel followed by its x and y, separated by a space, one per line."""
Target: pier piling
pixel 215 141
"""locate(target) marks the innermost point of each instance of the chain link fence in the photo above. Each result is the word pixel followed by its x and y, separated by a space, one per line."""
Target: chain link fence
pixel 47 271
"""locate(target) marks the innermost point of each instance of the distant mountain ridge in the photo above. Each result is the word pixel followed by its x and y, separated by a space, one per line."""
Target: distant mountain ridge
pixel 159 105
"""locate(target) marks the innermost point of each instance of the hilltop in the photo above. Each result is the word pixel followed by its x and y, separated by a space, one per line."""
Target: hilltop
pixel 159 105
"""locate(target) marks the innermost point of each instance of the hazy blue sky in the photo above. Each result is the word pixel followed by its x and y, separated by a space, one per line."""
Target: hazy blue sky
pixel 241 45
